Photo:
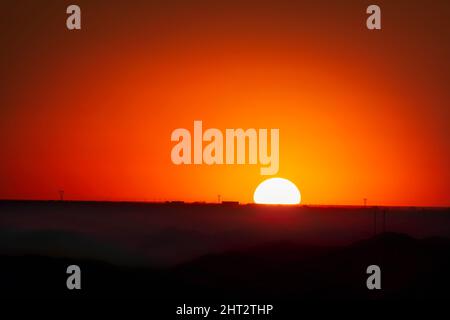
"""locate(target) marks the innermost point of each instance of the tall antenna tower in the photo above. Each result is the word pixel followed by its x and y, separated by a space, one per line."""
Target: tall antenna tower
pixel 365 202
pixel 218 198
pixel 61 195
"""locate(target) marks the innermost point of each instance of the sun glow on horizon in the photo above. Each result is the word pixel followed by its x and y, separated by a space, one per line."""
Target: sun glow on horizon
pixel 277 191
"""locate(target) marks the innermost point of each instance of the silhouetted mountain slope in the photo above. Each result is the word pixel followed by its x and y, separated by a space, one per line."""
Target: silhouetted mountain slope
pixel 411 268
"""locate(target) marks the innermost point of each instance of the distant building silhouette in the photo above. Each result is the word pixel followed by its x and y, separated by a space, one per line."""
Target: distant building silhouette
pixel 230 203
pixel 175 202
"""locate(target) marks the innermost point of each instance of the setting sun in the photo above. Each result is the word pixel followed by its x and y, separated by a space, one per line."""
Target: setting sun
pixel 277 191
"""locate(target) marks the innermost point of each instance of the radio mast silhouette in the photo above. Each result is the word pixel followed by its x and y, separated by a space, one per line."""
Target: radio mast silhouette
pixel 61 195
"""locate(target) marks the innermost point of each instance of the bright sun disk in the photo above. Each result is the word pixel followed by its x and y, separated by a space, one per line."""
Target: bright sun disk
pixel 277 191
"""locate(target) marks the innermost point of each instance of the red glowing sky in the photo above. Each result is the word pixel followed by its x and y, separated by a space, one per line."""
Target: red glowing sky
pixel 362 114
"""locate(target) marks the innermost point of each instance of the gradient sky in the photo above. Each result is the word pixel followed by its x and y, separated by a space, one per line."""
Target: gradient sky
pixel 361 113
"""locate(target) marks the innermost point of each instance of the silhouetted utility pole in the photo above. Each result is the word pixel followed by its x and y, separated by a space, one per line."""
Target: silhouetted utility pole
pixel 365 202
pixel 218 198
pixel 61 195
pixel 375 222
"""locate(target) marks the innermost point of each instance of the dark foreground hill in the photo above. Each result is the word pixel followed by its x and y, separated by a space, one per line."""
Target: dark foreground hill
pixel 166 234
pixel 411 268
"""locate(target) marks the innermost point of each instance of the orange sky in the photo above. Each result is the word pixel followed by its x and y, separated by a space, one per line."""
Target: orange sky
pixel 361 113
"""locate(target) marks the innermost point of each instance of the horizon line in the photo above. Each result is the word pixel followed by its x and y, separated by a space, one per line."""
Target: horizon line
pixel 224 202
